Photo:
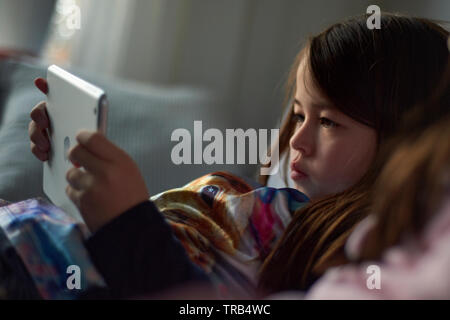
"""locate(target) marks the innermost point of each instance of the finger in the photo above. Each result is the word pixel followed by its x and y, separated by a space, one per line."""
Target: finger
pixel 78 179
pixel 81 156
pixel 39 114
pixel 96 143
pixel 41 84
pixel 38 136
pixel 41 155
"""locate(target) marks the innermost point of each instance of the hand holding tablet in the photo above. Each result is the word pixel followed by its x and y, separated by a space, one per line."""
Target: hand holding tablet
pixel 70 129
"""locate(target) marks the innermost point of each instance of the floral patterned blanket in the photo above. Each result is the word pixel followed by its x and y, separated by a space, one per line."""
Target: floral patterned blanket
pixel 226 225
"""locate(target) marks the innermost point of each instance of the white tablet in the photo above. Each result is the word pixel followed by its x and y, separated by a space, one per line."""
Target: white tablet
pixel 72 104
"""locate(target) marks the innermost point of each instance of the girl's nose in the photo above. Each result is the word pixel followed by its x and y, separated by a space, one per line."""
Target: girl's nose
pixel 302 139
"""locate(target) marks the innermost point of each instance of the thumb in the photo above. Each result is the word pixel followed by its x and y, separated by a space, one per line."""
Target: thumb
pixel 97 144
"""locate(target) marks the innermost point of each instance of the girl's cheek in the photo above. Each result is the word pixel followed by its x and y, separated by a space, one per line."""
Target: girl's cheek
pixel 334 169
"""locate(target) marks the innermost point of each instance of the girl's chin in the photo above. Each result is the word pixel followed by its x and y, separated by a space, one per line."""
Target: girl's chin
pixel 307 190
pixel 302 189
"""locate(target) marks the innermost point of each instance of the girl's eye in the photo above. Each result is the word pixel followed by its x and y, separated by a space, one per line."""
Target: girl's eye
pixel 327 123
pixel 299 117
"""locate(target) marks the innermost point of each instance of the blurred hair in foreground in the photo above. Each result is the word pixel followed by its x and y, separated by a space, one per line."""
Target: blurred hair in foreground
pixel 416 178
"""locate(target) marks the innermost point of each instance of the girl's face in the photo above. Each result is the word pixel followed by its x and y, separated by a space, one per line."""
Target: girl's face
pixel 329 151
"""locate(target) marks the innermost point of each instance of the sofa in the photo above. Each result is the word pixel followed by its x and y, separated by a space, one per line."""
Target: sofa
pixel 141 119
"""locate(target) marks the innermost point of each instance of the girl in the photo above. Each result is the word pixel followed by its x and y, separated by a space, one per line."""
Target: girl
pixel 349 87
pixel 369 76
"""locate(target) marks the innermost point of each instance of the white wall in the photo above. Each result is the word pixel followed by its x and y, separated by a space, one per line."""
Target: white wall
pixel 432 9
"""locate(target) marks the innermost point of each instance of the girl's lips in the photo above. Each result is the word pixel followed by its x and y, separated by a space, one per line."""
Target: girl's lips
pixel 297 174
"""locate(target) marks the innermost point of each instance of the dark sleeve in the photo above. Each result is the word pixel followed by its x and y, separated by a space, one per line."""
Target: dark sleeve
pixel 137 254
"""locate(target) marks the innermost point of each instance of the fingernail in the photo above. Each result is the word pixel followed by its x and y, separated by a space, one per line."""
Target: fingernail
pixel 83 135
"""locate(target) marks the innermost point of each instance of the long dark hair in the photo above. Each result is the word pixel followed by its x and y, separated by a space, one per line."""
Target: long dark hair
pixel 373 76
